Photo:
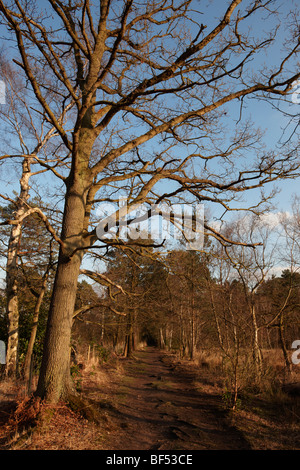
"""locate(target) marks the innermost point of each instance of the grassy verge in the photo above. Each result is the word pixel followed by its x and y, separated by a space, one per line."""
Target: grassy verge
pixel 268 409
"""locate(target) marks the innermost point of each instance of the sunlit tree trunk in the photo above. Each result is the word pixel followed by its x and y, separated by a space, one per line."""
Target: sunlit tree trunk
pixel 287 360
pixel 12 309
pixel 55 381
pixel 257 355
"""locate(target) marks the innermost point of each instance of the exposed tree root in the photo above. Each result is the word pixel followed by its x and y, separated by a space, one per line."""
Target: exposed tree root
pixel 33 415
pixel 86 408
pixel 22 420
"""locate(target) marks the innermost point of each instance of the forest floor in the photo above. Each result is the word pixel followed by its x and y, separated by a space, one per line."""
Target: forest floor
pixel 160 408
pixel 153 401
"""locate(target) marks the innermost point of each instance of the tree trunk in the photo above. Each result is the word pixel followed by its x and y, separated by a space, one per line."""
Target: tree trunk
pixel 287 360
pixel 257 355
pixel 12 304
pixel 192 346
pixel 116 335
pixel 55 381
pixel 162 343
pixel 128 348
pixel 13 329
pixel 213 307
pixel 29 352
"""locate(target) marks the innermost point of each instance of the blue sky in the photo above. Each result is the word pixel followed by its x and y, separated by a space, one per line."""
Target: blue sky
pixel 262 114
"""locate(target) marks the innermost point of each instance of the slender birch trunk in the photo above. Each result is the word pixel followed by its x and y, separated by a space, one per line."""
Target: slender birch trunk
pixel 257 355
pixel 12 304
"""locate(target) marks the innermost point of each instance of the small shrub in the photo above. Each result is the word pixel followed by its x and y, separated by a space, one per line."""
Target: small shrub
pixel 76 376
pixel 230 401
pixel 103 353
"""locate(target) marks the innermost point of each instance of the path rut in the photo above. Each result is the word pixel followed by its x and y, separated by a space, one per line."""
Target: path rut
pixel 159 408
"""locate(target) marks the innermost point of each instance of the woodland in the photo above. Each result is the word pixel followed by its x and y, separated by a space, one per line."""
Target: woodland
pixel 157 103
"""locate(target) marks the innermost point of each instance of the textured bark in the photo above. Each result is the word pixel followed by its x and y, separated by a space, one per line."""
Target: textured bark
pixel 257 355
pixel 12 306
pixel 287 360
pixel 55 381
pixel 29 352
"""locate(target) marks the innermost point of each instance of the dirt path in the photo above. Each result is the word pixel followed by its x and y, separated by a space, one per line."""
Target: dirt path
pixel 158 408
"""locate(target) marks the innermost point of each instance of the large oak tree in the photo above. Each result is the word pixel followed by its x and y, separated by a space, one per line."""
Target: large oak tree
pixel 144 89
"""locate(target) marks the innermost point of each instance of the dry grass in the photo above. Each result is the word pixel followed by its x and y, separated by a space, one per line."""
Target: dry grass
pixel 11 390
pixel 27 423
pixel 264 433
pixel 51 428
pixel 267 415
pixel 274 373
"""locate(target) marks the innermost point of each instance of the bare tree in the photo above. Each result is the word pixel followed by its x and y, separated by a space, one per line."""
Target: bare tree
pixel 134 74
pixel 290 248
pixel 18 121
pixel 253 266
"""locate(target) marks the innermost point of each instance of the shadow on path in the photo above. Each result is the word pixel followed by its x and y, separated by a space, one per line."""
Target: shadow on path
pixel 158 408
